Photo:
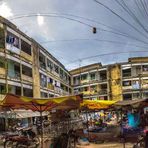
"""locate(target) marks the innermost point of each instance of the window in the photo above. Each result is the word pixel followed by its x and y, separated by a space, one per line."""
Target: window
pixel 27 92
pixel 84 77
pixel 127 96
pixel 56 69
pixel 93 88
pixel 126 83
pixel 43 80
pixel 44 95
pixel 42 61
pixel 2 88
pixel 25 47
pixel 2 38
pixel 126 72
pixel 26 71
pixel 92 76
pixel 49 65
pixel 145 95
pixel 61 73
pixel 136 95
pixel 103 75
pixel 14 89
pixel 2 62
pixel 145 67
pixel 12 39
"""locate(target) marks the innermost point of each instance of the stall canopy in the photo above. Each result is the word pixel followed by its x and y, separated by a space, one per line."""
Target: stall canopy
pixel 96 104
pixel 131 103
pixel 35 104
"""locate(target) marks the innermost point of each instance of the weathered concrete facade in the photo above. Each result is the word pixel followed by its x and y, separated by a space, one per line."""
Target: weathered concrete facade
pixel 120 81
pixel 26 68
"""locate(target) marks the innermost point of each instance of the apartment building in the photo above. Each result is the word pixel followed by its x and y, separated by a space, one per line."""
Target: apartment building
pixel 26 68
pixel 120 81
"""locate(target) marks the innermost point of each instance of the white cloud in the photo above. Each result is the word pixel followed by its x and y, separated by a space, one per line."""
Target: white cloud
pixel 40 20
pixel 5 11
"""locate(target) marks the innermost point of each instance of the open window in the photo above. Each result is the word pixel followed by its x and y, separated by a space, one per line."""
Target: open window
pixel 49 65
pixel 25 47
pixel 43 80
pixel 103 75
pixel 42 61
pixel 2 88
pixel 44 95
pixel 14 89
pixel 26 71
pixel 2 62
pixel 93 76
pixel 12 39
pixel 56 68
pixel 127 96
pixel 27 92
pixel 126 83
pixel 13 69
pixel 126 72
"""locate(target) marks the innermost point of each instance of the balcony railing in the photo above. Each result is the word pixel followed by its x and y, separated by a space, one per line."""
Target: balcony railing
pixel 126 75
pixel 103 92
pixel 27 78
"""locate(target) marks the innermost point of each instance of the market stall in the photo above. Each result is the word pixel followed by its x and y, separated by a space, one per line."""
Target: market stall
pixel 11 101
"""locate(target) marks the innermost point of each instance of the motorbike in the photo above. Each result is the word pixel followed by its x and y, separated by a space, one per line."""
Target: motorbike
pixel 142 140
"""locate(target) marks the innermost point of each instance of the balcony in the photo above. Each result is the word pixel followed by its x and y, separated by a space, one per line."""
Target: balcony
pixel 43 65
pixel 127 88
pixel 103 92
pixel 15 76
pixel 50 86
pixel 103 79
pixel 27 78
pixel 2 72
pixel 84 81
pixel 126 75
pixel 26 56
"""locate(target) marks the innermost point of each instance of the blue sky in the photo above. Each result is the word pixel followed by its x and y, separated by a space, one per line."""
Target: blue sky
pixel 71 41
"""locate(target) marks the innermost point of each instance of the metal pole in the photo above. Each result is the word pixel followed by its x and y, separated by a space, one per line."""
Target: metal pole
pixel 123 138
pixel 87 124
pixel 41 120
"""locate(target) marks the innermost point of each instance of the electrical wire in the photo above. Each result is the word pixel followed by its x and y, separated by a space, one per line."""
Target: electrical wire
pixel 133 16
pixel 109 41
pixel 138 6
pixel 100 29
pixel 105 54
pixel 121 18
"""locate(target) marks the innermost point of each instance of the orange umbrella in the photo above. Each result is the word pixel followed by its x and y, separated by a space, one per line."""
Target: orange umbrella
pixel 41 105
pixel 20 102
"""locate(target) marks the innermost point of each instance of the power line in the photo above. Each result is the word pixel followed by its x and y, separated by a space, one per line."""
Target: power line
pixel 138 6
pixel 105 54
pixel 109 41
pixel 129 11
pixel 121 18
pixel 100 29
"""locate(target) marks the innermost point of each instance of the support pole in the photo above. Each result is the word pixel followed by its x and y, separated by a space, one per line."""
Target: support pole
pixel 41 120
pixel 123 137
pixel 87 124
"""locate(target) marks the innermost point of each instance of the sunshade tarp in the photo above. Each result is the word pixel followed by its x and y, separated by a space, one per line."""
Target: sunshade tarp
pixel 20 102
pixel 96 104
pixel 132 103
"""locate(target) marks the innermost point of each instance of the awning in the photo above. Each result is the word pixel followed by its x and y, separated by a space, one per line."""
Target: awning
pixel 96 104
pixel 131 103
pixel 35 104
